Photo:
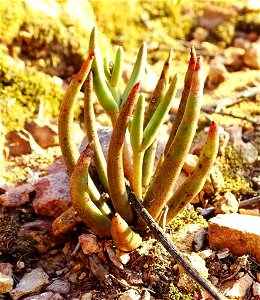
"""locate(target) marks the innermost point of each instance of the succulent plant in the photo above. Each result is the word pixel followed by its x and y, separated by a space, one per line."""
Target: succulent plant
pixel 135 167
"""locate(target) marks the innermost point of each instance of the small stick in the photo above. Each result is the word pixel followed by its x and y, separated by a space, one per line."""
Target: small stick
pixel 171 248
pixel 209 111
pixel 250 201
pixel 233 99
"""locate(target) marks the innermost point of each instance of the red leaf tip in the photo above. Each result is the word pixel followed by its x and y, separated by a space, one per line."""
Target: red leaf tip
pixel 192 61
pixel 91 55
pixel 213 129
pixel 137 85
pixel 198 63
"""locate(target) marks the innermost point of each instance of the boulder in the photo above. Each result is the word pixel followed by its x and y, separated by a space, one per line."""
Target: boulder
pixel 239 233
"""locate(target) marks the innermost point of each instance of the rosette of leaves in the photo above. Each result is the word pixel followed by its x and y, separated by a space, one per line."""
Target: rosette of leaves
pixel 133 164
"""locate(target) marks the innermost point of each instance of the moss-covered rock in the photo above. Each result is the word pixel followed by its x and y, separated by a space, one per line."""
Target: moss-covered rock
pixel 128 23
pixel 50 35
pixel 249 22
pixel 24 92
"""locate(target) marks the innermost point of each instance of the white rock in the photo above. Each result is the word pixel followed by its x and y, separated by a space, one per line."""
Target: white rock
pixel 240 288
pixel 30 283
pixel 59 286
pixel 256 289
pixel 6 283
pixel 185 281
pixel 87 296
pixel 130 295
pixel 42 296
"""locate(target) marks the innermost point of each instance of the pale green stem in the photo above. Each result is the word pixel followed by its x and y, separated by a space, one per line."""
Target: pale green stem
pixel 137 72
pixel 89 116
pixel 103 93
pixel 152 128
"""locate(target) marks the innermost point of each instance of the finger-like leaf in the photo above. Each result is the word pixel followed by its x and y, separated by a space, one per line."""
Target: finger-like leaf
pixel 137 73
pixel 165 177
pixel 184 97
pixel 68 146
pixel 136 137
pixel 152 128
pixel 103 93
pixel 92 134
pixel 117 68
pixel 123 236
pixel 115 170
pixel 80 200
pixel 196 180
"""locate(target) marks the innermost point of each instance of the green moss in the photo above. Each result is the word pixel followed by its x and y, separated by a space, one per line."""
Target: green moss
pixel 171 292
pixel 187 216
pixel 157 21
pixel 23 91
pixel 14 247
pixel 12 17
pixel 231 166
pixel 224 32
pixel 249 22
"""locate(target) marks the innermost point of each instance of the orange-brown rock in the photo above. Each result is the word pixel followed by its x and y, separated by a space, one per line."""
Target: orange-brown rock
pixel 239 233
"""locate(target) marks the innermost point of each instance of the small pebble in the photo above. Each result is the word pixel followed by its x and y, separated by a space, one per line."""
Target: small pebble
pixel 82 276
pixel 87 296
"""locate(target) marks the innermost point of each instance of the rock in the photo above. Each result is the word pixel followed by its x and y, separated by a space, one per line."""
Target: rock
pixel 235 134
pixel 190 163
pixel 214 182
pixel 248 211
pixel 59 286
pixel 240 288
pixel 6 283
pixel 252 5
pixel 46 135
pixel 17 196
pixel 40 231
pixel 130 294
pixel 114 259
pixel 89 243
pixel 45 296
pixel 226 204
pixel 239 233
pixel 241 42
pixel 22 142
pixel 187 233
pixel 87 296
pixel 30 283
pixel 200 34
pixel 6 269
pixel 123 256
pixel 52 194
pixel 252 56
pixel 185 281
pixel 216 75
pixel 256 289
pixel 199 239
pixel 233 58
pixel 66 222
pixel 58 165
pixel 213 16
pixel 247 152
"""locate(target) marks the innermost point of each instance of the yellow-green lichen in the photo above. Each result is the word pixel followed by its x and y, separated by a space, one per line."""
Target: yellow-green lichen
pixel 23 91
pixel 231 165
pixel 249 22
pixel 158 21
pixel 165 292
pixel 187 216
